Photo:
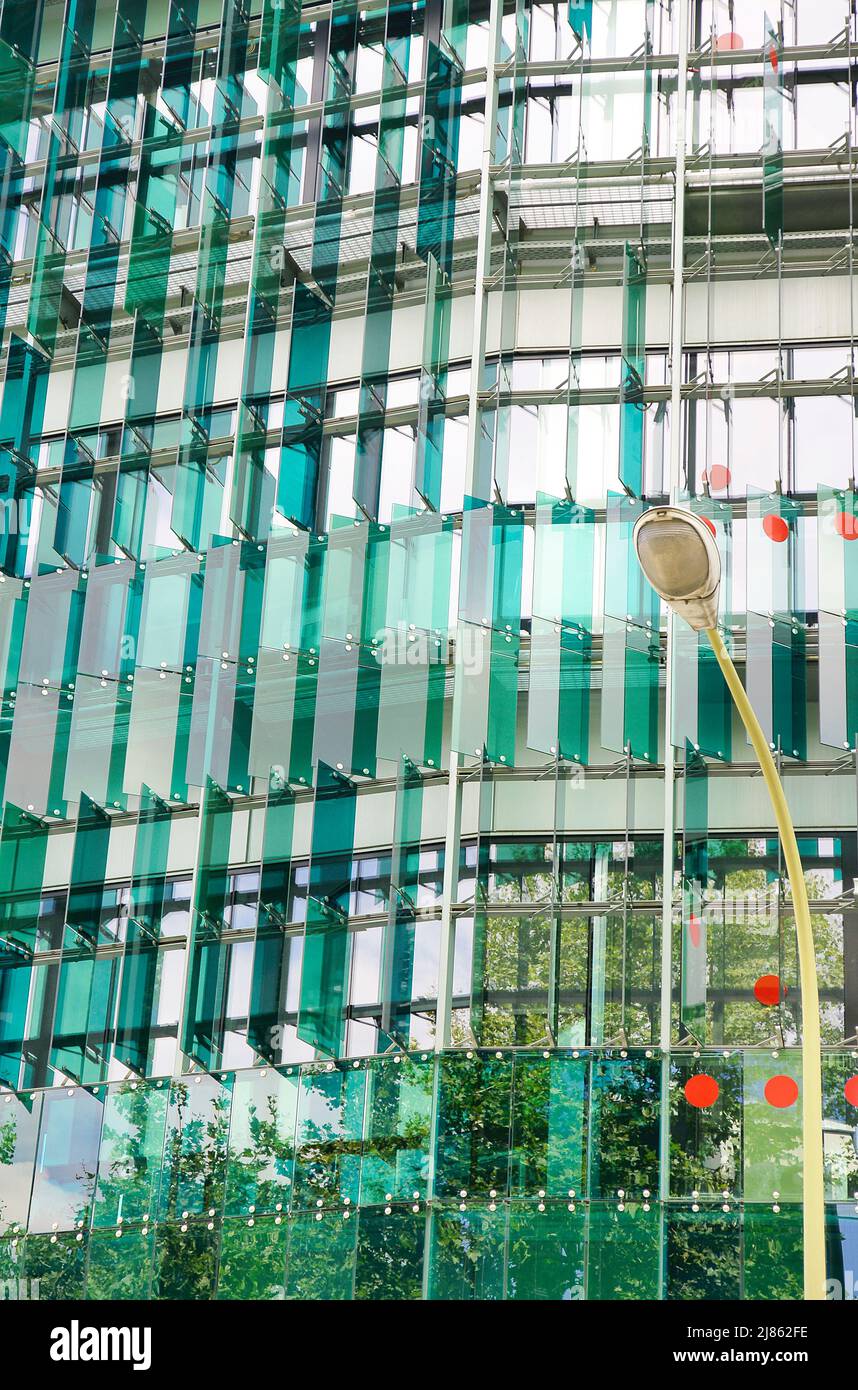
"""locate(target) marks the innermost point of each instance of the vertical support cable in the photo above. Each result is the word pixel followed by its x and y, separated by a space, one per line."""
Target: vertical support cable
pixel 675 366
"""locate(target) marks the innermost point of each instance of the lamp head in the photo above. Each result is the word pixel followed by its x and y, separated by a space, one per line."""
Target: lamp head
pixel 678 555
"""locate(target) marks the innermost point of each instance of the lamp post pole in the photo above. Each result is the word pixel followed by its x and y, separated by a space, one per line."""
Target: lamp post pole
pixel 678 554
pixel 813 1184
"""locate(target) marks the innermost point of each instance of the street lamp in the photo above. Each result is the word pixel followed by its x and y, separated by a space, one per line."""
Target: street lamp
pixel 679 556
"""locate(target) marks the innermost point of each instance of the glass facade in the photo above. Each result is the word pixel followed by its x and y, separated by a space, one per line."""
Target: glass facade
pixel 390 905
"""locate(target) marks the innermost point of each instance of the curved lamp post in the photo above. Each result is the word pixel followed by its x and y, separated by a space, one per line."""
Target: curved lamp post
pixel 678 555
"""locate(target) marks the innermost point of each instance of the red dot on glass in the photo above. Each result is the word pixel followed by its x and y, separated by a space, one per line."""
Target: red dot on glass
pixel 775 527
pixel 726 43
pixel 781 1092
pixel 694 930
pixel 850 1090
pixel 769 990
pixel 701 1091
pixel 846 525
pixel 719 477
pixel 773 58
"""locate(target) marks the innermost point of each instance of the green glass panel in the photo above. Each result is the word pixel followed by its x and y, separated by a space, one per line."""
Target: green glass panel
pixel 580 15
pixel 436 230
pixel 473 1124
pixel 516 957
pixel 706 1130
pixel 630 689
pixel 471 689
pixel 398 947
pixel 384 249
pixel 146 906
pixel 252 1262
pixel 492 556
pixel 51 642
pixel 97 743
pixel 271 954
pixel 16 977
pixel 326 937
pixel 149 259
pixel 253 484
pixel 838 1126
pixel 195 1148
pixel 171 612
pixel 198 484
pixel 772 1253
pixel 288 659
pixel 209 954
pixel 695 881
pixel 628 595
pixel 623 1251
pixel 545 1252
pixel 623 1138
pixel 703 709
pixel 703 1254
pixel 120 1264
pixel 88 872
pixel 466 1258
pixel 261 1142
pixel 495 423
pixel 130 1153
pixel 56 1266
pixel 479 926
pixel 158 733
pixel 630 975
pixel 70 93
pixel 837 563
pixel 86 993
pixel 503 698
pixel 571 977
pixel 328 1136
pixel 84 1014
pixel 102 267
pixel 548 1109
pixel 395 1158
pixel 840 1232
pixel 629 643
pixel 20 31
pixel 293 591
pixel 19 1128
pixel 64 1176
pixel 322 1256
pixel 559 682
pixel 632 408
pixel 838 680
pixel 772 1126
pixel 776 682
pixel 429 459
pixel 313 303
pixel 346 710
pixel 409 638
pixel 775 556
pixel 232 601
pixel 390 1254
pixel 185 1261
pixel 13 1278
pixel 23 846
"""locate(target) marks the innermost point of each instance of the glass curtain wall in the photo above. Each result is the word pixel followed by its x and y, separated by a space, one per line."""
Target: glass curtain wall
pixel 372 924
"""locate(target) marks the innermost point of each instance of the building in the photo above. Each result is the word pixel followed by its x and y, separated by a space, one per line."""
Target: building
pixel 389 905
